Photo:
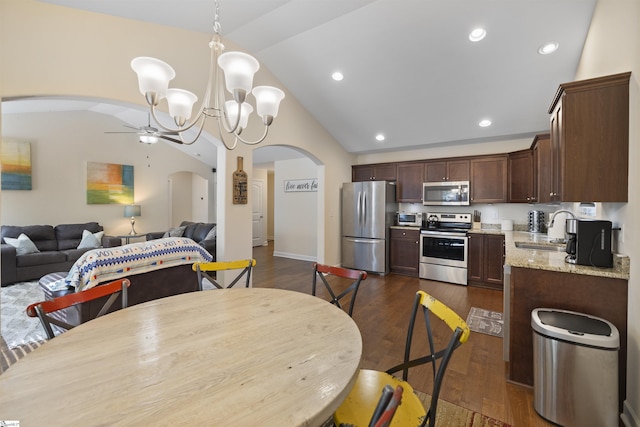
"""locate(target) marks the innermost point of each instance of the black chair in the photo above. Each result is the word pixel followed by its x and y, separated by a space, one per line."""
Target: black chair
pixel 321 270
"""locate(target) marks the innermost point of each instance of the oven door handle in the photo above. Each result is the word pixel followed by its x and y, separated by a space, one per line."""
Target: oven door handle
pixel 443 235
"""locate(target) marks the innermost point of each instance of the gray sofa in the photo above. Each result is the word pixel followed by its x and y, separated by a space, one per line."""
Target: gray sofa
pixel 58 248
pixel 196 231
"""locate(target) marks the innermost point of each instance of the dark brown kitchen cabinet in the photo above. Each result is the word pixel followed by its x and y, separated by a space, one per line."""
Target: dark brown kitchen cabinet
pixel 522 184
pixel 485 264
pixel 409 183
pixel 541 148
pixel 489 179
pixel 404 251
pixel 379 172
pixel 450 170
pixel 590 140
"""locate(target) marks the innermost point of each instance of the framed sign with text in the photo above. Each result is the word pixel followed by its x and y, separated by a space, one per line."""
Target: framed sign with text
pixel 300 185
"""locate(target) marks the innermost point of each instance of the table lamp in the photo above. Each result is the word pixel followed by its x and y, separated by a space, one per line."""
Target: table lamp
pixel 132 211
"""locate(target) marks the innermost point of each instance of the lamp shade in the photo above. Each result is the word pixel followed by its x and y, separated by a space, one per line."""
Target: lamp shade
pixel 267 100
pixel 132 210
pixel 239 69
pixel 232 112
pixel 153 75
pixel 180 104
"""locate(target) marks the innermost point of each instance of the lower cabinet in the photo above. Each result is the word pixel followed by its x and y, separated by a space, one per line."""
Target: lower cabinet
pixel 404 251
pixel 486 260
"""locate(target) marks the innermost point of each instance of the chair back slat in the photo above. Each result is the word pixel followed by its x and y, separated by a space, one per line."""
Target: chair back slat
pixel 43 309
pixel 203 268
pixel 320 270
pixel 445 314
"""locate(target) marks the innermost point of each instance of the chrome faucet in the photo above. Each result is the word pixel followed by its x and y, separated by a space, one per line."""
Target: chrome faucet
pixel 553 215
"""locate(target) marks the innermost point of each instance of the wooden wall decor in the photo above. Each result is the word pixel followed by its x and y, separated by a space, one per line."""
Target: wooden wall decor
pixel 240 184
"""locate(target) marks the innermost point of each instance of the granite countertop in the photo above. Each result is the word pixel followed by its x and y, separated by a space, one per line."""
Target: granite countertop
pixel 549 259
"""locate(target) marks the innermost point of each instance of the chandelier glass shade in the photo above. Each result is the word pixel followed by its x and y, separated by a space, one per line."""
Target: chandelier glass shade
pixel 238 70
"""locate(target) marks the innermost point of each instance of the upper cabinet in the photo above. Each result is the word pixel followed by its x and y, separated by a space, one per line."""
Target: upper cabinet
pixel 489 179
pixel 409 183
pixel 541 148
pixel 380 172
pixel 590 140
pixel 449 170
pixel 522 185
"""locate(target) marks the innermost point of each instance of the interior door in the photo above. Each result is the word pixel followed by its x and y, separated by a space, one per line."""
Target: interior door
pixel 257 212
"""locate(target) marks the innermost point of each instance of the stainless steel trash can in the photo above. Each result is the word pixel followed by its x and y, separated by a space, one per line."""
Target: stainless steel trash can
pixel 575 368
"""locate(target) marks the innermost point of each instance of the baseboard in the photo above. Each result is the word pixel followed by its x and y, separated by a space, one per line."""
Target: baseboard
pixel 628 417
pixel 295 256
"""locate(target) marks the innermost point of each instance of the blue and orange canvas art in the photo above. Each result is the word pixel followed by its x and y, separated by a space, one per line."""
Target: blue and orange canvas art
pixel 16 165
pixel 109 183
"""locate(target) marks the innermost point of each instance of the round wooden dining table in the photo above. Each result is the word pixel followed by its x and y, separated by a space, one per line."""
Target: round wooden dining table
pixel 233 357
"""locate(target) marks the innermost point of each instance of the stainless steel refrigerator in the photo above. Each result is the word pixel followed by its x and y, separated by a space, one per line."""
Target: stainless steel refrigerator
pixel 368 210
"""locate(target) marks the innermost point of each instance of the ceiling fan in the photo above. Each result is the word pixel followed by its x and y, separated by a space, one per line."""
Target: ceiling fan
pixel 150 135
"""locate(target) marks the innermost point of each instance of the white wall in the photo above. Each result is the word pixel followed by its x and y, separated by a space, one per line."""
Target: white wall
pixel 61 145
pixel 295 213
pixel 613 46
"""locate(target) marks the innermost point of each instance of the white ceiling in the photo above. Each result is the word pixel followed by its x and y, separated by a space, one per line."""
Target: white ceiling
pixel 410 70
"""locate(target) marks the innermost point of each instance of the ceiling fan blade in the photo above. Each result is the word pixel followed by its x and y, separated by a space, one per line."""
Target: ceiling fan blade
pixel 177 141
pixel 167 133
pixel 131 127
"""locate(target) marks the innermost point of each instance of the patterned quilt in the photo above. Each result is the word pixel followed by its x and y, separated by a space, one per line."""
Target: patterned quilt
pixel 106 264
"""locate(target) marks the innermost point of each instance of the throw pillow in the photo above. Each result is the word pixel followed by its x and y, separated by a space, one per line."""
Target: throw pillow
pixel 211 235
pixel 175 232
pixel 91 240
pixel 23 244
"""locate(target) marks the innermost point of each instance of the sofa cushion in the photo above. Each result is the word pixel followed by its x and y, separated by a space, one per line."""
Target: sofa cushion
pixel 43 236
pixel 175 232
pixel 69 236
pixel 23 244
pixel 40 258
pixel 91 240
pixel 201 231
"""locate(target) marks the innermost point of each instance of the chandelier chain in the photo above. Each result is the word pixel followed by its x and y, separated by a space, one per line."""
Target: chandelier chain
pixel 216 18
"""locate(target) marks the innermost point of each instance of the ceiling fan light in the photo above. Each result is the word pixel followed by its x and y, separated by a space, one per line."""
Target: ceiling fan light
pixel 239 69
pixel 267 101
pixel 180 104
pixel 231 108
pixel 153 76
pixel 148 139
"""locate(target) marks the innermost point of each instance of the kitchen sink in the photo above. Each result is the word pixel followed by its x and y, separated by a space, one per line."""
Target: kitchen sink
pixel 540 246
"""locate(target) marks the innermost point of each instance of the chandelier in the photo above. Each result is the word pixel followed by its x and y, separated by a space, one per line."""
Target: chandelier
pixel 232 115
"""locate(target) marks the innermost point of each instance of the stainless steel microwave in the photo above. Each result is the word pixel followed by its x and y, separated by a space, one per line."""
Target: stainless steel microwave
pixel 445 193
pixel 413 219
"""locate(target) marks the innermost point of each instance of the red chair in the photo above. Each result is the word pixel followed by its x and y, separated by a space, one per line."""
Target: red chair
pixel 44 309
pixel 321 270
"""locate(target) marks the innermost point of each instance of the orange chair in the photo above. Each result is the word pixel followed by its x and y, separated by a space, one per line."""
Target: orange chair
pixel 44 309
pixel 320 270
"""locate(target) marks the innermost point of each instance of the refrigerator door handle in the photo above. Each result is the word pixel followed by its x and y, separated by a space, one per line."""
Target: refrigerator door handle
pixel 364 209
pixel 359 208
pixel 368 241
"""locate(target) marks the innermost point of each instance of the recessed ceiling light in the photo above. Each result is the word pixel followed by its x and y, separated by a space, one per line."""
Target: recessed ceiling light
pixel 337 76
pixel 548 48
pixel 484 123
pixel 380 137
pixel 477 34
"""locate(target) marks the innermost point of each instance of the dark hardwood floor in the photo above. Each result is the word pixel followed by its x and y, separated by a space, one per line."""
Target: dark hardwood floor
pixel 476 375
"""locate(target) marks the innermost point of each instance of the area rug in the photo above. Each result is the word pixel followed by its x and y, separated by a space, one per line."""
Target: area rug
pixel 16 327
pixel 450 415
pixel 485 321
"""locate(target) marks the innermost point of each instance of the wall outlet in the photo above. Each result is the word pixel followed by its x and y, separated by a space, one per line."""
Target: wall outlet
pixel 587 209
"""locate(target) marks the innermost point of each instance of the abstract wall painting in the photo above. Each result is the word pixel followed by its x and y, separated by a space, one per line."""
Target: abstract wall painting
pixel 109 183
pixel 16 165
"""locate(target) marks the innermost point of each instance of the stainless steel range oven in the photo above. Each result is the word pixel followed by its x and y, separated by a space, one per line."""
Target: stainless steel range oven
pixel 444 247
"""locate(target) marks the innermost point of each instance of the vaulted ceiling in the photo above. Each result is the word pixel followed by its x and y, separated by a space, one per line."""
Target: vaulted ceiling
pixel 410 70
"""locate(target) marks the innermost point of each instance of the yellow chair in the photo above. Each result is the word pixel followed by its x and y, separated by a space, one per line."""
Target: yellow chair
pixel 45 310
pixel 202 268
pixel 360 404
pixel 320 270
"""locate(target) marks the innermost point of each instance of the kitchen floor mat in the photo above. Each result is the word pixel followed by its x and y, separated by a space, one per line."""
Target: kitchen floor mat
pixel 485 321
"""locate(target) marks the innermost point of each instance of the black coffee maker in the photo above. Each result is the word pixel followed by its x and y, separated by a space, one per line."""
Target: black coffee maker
pixel 589 242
